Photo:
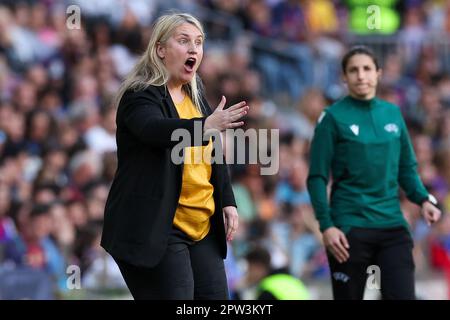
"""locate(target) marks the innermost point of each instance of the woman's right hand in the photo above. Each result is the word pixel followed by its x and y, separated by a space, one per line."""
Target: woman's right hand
pixel 222 119
pixel 336 242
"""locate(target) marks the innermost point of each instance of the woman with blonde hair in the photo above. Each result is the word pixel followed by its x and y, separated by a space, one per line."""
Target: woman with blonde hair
pixel 166 223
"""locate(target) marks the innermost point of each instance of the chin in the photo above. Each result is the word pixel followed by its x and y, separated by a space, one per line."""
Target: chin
pixel 186 80
pixel 364 93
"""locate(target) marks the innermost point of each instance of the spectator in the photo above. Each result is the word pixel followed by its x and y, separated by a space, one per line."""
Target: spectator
pixel 272 284
pixel 33 247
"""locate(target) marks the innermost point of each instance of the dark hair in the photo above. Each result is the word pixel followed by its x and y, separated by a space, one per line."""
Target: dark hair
pixel 40 209
pixel 258 255
pixel 359 50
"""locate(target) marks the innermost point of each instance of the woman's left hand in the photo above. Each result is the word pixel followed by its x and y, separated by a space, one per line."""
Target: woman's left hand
pixel 430 213
pixel 231 219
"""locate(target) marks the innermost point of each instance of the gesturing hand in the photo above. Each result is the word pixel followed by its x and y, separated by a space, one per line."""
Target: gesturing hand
pixel 222 119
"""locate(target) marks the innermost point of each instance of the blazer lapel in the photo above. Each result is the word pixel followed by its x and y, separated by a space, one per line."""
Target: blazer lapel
pixel 168 107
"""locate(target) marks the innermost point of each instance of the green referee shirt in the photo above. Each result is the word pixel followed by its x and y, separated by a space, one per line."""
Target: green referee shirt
pixel 366 145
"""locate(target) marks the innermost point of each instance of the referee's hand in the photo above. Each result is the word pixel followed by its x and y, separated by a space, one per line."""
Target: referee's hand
pixel 430 213
pixel 336 242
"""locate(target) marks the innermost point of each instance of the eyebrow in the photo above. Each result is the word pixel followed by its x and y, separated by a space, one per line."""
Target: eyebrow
pixel 187 35
pixel 363 66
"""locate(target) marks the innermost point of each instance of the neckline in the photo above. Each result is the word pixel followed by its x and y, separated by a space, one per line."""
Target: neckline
pixel 362 102
pixel 182 101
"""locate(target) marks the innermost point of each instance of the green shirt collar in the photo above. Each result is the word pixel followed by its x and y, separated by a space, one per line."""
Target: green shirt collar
pixel 361 102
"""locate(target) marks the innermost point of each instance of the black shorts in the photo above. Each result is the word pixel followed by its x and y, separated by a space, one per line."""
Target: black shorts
pixel 380 258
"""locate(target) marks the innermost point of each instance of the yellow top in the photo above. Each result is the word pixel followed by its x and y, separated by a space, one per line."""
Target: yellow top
pixel 196 203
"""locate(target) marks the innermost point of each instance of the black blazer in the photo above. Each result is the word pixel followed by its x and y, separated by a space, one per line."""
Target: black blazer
pixel 144 194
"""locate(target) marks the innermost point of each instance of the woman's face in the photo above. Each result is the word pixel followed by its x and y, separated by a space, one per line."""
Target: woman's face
pixel 361 76
pixel 182 53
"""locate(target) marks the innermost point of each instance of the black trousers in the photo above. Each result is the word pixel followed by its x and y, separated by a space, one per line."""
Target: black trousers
pixel 188 270
pixel 382 258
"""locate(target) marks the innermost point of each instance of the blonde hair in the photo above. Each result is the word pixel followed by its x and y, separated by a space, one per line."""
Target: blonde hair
pixel 150 69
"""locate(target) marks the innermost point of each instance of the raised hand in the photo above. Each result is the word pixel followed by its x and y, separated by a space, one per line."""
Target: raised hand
pixel 222 119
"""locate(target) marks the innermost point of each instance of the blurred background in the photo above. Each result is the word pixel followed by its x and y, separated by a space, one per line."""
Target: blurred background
pixel 57 129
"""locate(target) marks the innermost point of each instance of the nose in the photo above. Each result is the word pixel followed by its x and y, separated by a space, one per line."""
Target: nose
pixel 193 48
pixel 360 74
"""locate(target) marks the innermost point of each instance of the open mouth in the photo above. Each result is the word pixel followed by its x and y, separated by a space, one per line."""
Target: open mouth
pixel 190 63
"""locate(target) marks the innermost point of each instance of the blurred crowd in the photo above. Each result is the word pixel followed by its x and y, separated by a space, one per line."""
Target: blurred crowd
pixel 57 125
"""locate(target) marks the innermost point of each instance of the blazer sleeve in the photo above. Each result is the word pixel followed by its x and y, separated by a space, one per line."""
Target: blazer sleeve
pixel 227 195
pixel 227 191
pixel 140 112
